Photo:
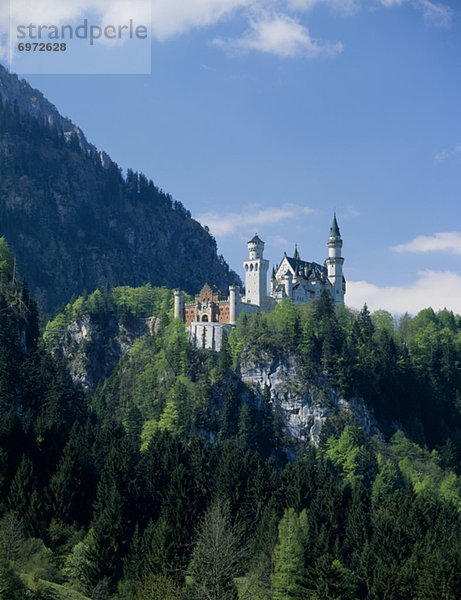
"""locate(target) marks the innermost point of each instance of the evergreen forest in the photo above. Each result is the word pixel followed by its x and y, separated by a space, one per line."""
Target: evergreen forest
pixel 176 480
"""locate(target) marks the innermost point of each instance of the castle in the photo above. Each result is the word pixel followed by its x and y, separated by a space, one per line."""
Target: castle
pixel 213 314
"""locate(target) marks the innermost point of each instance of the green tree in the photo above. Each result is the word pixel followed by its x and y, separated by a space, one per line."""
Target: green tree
pixel 288 575
pixel 11 587
pixel 158 587
pixel 217 556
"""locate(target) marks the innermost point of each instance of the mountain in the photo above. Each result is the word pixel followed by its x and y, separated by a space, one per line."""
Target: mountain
pixel 75 223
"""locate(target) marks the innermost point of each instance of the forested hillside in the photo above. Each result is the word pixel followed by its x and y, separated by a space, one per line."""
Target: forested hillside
pixel 176 480
pixel 75 223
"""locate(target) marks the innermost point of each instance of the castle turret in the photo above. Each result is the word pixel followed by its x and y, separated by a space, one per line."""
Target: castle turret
pixel 233 300
pixel 179 304
pixel 273 282
pixel 256 268
pixel 335 262
pixel 288 283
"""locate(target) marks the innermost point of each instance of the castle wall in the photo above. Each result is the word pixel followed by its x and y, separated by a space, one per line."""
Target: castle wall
pixel 209 335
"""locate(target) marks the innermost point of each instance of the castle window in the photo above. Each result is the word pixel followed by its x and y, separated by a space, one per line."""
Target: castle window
pixel 251 267
pixel 256 267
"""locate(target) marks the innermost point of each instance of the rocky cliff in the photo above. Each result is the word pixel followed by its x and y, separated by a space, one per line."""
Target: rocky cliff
pixel 306 404
pixel 33 102
pixel 93 344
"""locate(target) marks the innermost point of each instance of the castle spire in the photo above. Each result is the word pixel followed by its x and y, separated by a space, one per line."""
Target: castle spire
pixel 296 255
pixel 334 263
pixel 334 229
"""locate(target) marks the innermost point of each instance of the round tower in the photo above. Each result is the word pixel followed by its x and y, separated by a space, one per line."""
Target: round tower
pixel 273 282
pixel 256 268
pixel 233 296
pixel 179 304
pixel 288 283
pixel 334 263
pixel 255 248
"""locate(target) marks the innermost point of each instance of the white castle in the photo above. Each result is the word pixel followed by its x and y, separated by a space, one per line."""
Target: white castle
pixel 212 312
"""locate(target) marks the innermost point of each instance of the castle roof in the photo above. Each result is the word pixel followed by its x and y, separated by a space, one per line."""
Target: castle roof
pixel 256 240
pixel 308 270
pixel 211 288
pixel 334 229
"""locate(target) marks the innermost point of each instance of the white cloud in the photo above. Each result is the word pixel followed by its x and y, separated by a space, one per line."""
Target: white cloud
pixel 439 242
pixel 59 12
pixel 222 225
pixel 347 7
pixel 447 154
pixel 280 35
pixel 435 13
pixel 438 289
pixel 174 17
pixel 278 240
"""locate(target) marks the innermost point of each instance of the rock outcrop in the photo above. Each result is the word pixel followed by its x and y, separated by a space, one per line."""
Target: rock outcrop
pixel 92 345
pixel 33 102
pixel 306 404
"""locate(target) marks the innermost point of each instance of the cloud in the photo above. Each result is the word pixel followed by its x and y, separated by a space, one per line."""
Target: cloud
pixel 435 13
pixel 278 240
pixel 347 7
pixel 174 17
pixel 438 289
pixel 447 154
pixel 280 35
pixel 439 242
pixel 230 223
pixel 58 12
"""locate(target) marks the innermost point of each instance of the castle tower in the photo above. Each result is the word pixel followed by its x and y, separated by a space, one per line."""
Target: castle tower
pixel 273 281
pixel 288 283
pixel 179 304
pixel 335 262
pixel 256 268
pixel 233 298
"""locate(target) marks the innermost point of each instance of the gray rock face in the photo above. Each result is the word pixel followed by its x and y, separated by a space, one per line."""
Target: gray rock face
pixel 92 345
pixel 306 404
pixel 33 102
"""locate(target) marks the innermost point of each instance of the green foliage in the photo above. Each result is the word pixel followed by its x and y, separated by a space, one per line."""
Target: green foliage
pixel 145 301
pixel 39 561
pixel 287 579
pixel 158 587
pixel 217 556
pixel 421 469
pixel 211 493
pixel 11 587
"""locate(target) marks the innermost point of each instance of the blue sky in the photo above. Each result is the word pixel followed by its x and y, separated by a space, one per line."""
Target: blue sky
pixel 268 115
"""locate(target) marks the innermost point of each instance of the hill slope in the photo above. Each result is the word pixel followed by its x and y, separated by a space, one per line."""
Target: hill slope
pixel 75 224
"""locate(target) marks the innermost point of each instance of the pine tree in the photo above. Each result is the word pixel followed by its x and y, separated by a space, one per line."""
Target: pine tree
pixel 288 576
